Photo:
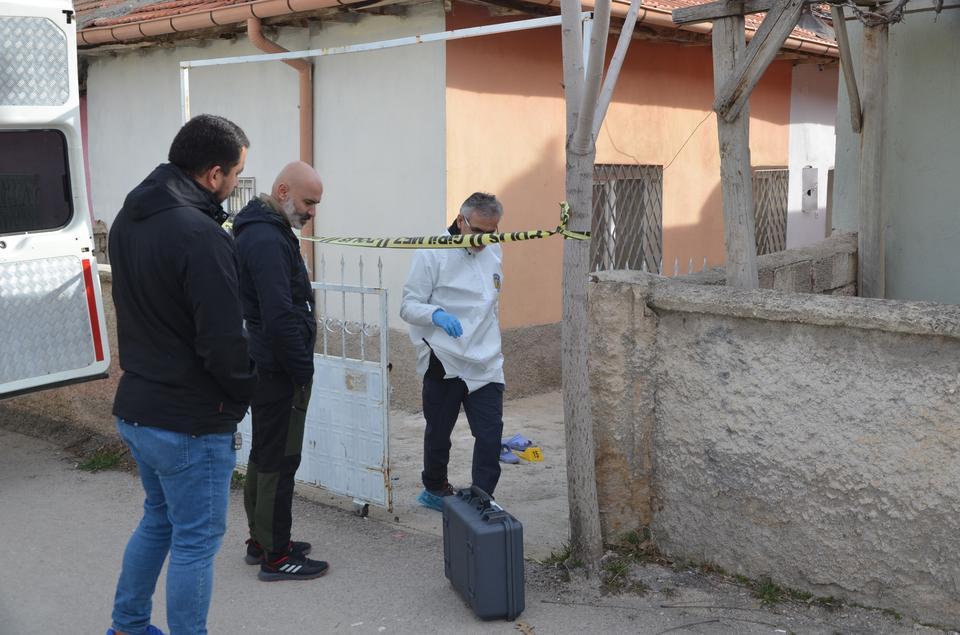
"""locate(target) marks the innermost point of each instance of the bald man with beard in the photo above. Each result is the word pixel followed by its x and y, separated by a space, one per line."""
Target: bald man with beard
pixel 279 314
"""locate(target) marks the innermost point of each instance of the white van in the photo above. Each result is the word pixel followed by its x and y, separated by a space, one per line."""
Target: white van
pixel 52 327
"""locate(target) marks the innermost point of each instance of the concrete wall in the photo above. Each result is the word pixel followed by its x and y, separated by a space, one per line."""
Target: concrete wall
pixel 380 140
pixel 920 185
pixel 807 438
pixel 133 112
pixel 828 267
pixel 378 116
pixel 813 110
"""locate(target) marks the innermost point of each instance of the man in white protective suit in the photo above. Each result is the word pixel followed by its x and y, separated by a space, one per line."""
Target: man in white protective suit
pixel 451 300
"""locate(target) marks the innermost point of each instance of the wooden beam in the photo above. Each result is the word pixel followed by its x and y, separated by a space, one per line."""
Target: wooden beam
pixel 846 65
pixel 873 65
pixel 770 37
pixel 717 10
pixel 735 172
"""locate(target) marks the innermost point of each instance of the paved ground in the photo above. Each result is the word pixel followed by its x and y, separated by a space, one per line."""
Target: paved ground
pixel 536 493
pixel 63 531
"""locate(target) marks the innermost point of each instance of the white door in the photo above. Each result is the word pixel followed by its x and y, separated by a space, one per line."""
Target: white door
pixel 52 330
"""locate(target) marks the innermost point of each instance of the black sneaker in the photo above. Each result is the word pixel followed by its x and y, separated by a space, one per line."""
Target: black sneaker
pixel 292 566
pixel 255 551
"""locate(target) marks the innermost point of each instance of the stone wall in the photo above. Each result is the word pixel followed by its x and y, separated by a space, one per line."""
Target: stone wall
pixel 807 438
pixel 828 268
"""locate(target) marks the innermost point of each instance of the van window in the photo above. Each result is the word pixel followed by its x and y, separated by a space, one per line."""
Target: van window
pixel 34 181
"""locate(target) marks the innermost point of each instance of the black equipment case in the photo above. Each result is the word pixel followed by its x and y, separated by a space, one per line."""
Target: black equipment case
pixel 483 554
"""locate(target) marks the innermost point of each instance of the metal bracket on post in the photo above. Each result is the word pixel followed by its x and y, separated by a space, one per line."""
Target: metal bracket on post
pixel 587 34
pixel 184 93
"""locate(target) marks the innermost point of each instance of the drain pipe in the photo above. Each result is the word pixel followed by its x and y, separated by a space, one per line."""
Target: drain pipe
pixel 305 69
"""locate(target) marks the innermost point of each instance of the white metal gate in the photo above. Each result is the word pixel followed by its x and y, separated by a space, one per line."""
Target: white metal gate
pixel 346 441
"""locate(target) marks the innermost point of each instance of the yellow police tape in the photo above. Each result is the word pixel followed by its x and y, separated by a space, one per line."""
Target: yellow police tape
pixel 450 242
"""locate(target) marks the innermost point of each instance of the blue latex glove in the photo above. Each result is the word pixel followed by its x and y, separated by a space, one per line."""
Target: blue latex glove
pixel 449 323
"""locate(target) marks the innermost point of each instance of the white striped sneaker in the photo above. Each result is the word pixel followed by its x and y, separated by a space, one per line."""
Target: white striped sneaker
pixel 293 566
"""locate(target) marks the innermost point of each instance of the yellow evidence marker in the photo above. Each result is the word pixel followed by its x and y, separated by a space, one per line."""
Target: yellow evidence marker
pixel 532 454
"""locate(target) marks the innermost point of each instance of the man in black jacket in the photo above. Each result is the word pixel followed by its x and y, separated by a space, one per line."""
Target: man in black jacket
pixel 278 309
pixel 187 376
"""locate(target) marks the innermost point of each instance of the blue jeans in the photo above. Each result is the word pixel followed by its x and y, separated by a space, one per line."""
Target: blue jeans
pixel 187 482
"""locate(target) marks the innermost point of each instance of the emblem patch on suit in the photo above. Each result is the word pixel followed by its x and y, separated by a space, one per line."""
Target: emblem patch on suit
pixel 496 281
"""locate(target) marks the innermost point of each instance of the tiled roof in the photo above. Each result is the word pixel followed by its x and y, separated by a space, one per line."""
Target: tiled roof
pixel 100 13
pixel 93 13
pixel 752 20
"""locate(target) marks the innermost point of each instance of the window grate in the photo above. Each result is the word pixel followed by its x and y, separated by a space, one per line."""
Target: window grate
pixel 627 225
pixel 245 191
pixel 770 189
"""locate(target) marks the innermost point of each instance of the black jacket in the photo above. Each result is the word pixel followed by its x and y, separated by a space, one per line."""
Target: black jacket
pixel 276 293
pixel 182 348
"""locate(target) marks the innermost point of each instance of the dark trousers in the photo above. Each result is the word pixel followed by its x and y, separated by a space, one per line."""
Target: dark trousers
pixel 279 415
pixel 442 399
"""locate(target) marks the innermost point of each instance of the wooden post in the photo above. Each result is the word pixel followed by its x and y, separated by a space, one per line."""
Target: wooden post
pixel 873 69
pixel 729 43
pixel 751 62
pixel 846 65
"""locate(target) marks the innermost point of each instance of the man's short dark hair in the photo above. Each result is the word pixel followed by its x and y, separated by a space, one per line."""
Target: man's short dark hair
pixel 206 141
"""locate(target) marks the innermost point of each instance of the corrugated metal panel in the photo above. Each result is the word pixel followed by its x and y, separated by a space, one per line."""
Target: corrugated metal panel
pixel 33 63
pixel 45 327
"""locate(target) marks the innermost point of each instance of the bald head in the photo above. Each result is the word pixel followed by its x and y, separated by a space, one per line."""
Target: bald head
pixel 298 189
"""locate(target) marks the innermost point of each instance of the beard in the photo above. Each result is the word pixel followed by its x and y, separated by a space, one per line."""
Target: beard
pixel 297 221
pixel 223 193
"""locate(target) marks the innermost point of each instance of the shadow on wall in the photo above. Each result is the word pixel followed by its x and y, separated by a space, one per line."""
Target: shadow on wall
pixel 662 72
pixel 686 246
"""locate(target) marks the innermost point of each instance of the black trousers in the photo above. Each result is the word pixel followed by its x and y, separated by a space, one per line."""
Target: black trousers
pixel 442 399
pixel 279 414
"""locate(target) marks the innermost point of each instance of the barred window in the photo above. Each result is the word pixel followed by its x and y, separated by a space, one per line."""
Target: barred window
pixel 246 189
pixel 770 187
pixel 627 227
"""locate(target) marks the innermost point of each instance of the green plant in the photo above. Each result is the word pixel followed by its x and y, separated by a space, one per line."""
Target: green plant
pixel 558 557
pixel 768 592
pixel 102 459
pixel 891 613
pixel 800 596
pixel 712 569
pixel 635 545
pixel 237 480
pixel 615 578
pixel 637 588
pixel 830 603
